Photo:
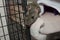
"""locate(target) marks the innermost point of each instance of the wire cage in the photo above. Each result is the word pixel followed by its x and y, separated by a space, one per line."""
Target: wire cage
pixel 12 14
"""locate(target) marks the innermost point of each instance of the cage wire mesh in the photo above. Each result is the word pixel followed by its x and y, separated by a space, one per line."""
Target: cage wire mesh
pixel 12 14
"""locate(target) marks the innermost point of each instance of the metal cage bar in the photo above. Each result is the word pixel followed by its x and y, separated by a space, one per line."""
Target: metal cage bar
pixel 9 28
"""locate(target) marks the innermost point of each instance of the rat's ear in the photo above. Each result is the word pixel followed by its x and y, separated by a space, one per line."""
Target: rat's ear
pixel 38 8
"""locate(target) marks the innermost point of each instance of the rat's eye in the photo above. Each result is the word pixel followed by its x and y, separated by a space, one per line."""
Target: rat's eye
pixel 32 17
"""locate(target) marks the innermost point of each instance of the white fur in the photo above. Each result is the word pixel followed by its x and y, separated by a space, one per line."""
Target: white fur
pixel 35 30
